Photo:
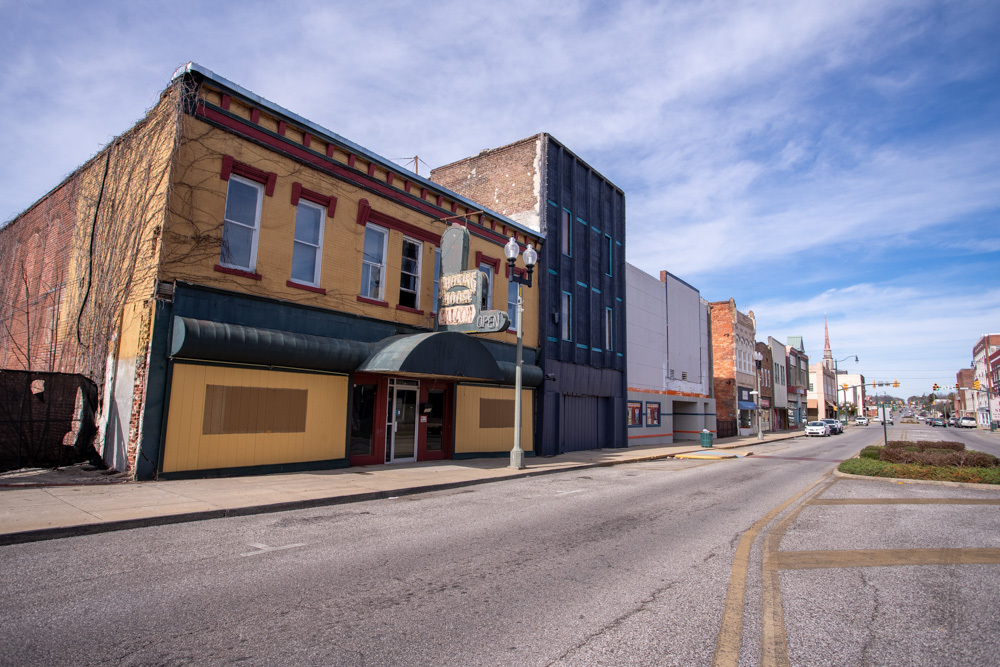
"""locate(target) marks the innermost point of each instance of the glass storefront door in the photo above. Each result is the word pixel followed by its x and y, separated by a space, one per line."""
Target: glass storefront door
pixel 401 421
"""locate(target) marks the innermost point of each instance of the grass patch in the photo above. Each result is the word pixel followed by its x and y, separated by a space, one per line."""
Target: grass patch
pixel 955 466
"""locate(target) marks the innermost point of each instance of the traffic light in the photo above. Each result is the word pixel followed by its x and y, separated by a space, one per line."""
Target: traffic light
pixel 957 387
pixel 874 384
pixel 976 385
pixel 895 383
pixel 844 386
pixel 936 387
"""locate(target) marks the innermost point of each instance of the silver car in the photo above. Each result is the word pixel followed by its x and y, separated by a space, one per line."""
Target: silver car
pixel 818 428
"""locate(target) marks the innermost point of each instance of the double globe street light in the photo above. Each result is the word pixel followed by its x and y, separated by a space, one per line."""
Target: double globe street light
pixel 511 251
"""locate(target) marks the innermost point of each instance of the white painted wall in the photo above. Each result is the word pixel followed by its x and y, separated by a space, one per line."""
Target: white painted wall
pixel 646 333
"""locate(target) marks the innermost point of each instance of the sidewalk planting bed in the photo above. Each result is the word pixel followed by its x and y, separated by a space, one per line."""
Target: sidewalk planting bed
pixel 925 459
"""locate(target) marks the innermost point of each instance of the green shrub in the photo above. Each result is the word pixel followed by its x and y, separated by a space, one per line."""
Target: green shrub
pixel 968 474
pixel 871 452
pixel 921 445
pixel 869 467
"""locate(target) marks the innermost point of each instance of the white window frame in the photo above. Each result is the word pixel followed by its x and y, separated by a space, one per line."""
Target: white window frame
pixel 420 259
pixel 381 267
pixel 319 248
pixel 488 270
pixel 512 302
pixel 437 279
pixel 259 189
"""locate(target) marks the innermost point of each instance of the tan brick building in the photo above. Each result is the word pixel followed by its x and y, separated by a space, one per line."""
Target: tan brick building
pixel 733 346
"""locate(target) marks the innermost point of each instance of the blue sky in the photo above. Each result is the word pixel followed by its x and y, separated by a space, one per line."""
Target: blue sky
pixel 804 158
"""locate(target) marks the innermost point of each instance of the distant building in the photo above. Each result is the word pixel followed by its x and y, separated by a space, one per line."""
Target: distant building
pixel 765 382
pixel 822 394
pixel 539 183
pixel 779 363
pixel 669 350
pixel 798 382
pixel 986 369
pixel 851 393
pixel 733 368
pixel 965 396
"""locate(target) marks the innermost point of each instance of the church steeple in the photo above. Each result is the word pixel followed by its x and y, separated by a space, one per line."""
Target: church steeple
pixel 827 353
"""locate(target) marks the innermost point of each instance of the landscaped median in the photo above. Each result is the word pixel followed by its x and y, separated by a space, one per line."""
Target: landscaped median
pixel 925 459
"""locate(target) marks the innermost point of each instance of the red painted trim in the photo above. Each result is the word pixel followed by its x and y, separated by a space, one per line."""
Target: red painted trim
pixel 367 214
pixel 523 273
pixel 329 150
pixel 329 201
pixel 440 201
pixel 371 169
pixel 282 127
pixel 486 259
pixel 389 177
pixel 332 167
pixel 308 288
pixel 373 302
pixel 454 207
pixel 255 116
pixel 306 139
pixel 238 272
pixel 406 185
pixel 231 166
pixel 226 101
pixel 423 193
pixel 409 310
pixel 351 160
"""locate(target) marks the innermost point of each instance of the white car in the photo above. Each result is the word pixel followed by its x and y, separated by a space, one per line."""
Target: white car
pixel 818 428
pixel 861 421
pixel 967 422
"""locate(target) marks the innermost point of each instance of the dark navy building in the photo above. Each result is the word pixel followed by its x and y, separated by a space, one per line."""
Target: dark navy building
pixel 542 185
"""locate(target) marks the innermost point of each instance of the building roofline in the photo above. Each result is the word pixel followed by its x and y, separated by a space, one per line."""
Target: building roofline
pixel 327 135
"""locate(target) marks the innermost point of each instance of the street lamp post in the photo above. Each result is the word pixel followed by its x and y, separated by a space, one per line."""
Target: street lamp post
pixel 758 357
pixel 511 251
pixel 836 379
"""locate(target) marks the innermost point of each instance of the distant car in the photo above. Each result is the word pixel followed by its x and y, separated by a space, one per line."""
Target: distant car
pixel 953 421
pixel 967 422
pixel 836 427
pixel 818 428
pixel 861 421
pixel 936 421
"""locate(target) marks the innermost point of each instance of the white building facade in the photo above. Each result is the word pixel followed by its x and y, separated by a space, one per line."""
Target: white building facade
pixel 669 350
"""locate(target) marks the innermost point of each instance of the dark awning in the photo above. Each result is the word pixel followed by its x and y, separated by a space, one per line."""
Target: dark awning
pixel 440 353
pixel 203 339
pixel 748 405
pixel 445 353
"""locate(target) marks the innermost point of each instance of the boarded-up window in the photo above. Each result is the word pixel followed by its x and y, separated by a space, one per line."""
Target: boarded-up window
pixel 496 413
pixel 254 410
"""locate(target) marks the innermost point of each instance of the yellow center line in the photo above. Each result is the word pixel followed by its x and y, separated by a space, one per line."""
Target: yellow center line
pixel 727 643
pixel 811 560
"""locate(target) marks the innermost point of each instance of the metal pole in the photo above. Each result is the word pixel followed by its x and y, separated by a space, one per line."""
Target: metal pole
pixel 517 454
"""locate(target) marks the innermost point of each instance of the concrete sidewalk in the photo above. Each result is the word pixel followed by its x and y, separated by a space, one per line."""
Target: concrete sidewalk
pixel 32 510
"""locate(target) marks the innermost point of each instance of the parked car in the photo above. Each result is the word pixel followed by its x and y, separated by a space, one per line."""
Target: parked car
pixel 967 422
pixel 861 421
pixel 936 421
pixel 836 427
pixel 818 428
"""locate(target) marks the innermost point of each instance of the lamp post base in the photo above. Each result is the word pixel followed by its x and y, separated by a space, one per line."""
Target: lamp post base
pixel 517 459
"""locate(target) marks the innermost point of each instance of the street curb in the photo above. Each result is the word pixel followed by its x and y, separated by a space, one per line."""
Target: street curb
pixel 42 534
pixel 59 532
pixel 929 482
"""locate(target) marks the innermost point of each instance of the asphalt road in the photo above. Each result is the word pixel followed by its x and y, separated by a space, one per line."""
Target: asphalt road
pixel 759 560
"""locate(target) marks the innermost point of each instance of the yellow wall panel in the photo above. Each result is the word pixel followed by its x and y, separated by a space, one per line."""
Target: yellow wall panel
pixel 188 448
pixel 471 438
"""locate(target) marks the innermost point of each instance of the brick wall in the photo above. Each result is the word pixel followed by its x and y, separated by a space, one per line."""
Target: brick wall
pixel 723 359
pixel 503 179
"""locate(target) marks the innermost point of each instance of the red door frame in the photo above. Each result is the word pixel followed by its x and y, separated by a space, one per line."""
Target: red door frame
pixel 379 418
pixel 449 390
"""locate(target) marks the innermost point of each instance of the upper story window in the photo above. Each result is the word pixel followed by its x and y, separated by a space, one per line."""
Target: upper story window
pixel 373 263
pixel 242 224
pixel 609 329
pixel 512 304
pixel 409 274
pixel 437 277
pixel 609 250
pixel 487 285
pixel 566 229
pixel 566 316
pixel 307 250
